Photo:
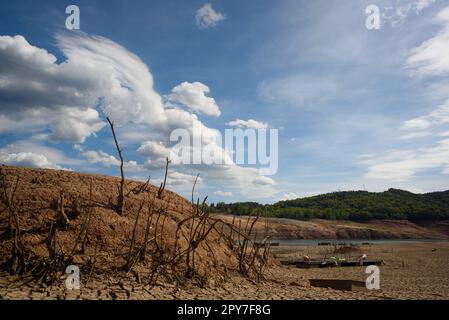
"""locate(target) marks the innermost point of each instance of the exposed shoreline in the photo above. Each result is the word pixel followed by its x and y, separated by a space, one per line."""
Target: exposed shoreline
pixel 318 229
pixel 413 271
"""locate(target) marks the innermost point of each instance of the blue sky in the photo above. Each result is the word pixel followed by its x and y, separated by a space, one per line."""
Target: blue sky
pixel 355 108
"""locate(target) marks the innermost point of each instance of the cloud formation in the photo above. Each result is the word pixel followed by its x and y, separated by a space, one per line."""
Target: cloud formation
pixel 402 165
pixel 193 96
pixel 207 17
pixel 397 15
pixel 223 193
pixel 177 178
pixel 101 157
pixel 64 101
pixel 431 58
pixel 63 97
pixel 290 196
pixel 152 148
pixel 30 154
pixel 27 159
pixel 248 124
pixel 436 117
pixel 36 91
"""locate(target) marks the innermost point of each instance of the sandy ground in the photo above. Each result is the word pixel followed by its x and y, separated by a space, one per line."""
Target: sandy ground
pixel 414 270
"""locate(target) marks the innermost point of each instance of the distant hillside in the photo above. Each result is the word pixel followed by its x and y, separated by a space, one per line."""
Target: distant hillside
pixel 351 205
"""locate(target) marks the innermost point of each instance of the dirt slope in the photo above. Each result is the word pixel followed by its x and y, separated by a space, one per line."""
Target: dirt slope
pixel 109 234
pixel 438 226
pixel 327 229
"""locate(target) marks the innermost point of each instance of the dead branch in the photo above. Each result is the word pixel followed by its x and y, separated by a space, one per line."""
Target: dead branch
pixel 193 190
pixel 61 218
pixel 9 198
pixel 141 188
pixel 130 261
pixel 85 227
pixel 159 260
pixel 143 251
pixel 121 198
pixel 18 262
pixel 162 187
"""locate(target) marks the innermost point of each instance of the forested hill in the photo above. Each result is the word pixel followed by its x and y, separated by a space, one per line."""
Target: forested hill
pixel 351 205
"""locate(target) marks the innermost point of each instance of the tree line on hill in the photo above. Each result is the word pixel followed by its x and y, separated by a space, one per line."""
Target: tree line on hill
pixel 349 205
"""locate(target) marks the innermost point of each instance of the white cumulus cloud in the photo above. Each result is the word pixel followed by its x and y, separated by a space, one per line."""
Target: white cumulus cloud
pixel 207 17
pixel 178 178
pixel 151 148
pixel 105 159
pixel 108 160
pixel 193 96
pixel 27 159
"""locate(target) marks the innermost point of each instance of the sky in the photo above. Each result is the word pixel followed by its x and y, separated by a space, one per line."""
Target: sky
pixel 355 108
